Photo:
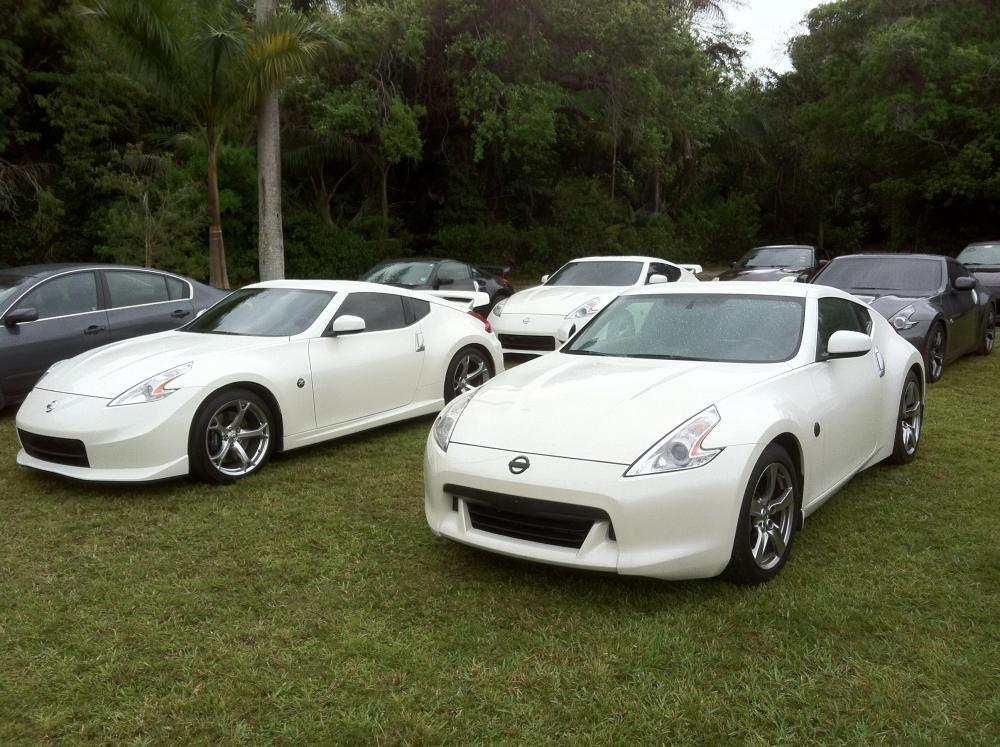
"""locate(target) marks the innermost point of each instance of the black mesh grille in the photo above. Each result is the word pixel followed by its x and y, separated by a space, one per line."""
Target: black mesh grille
pixel 548 522
pixel 528 342
pixel 51 449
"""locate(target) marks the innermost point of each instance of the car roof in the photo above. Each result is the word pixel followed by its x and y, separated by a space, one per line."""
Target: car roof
pixel 785 246
pixel 417 259
pixel 891 255
pixel 336 286
pixel 752 288
pixel 631 258
pixel 54 268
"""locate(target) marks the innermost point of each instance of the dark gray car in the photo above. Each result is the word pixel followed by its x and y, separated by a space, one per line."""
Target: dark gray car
pixel 983 259
pixel 52 312
pixel 932 301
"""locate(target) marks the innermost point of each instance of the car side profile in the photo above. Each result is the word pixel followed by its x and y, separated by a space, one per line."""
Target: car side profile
pixel 982 259
pixel 52 312
pixel 443 275
pixel 272 367
pixel 686 432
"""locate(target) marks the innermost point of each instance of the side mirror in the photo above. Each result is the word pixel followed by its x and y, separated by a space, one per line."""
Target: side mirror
pixel 17 316
pixel 545 278
pixel 823 262
pixel 346 325
pixel 657 279
pixel 565 332
pixel 733 265
pixel 845 344
pixel 964 283
pixel 444 281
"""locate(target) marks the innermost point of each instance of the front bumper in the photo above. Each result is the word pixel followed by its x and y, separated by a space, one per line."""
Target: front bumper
pixel 131 443
pixel 527 334
pixel 676 525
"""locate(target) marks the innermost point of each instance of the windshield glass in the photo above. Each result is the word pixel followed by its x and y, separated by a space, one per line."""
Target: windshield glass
pixel 263 312
pixel 608 272
pixel 696 327
pixel 795 257
pixel 909 276
pixel 980 254
pixel 11 287
pixel 401 273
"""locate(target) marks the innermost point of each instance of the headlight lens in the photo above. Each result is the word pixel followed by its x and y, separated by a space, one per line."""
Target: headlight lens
pixel 903 318
pixel 498 308
pixel 152 389
pixel 591 307
pixel 681 448
pixel 447 419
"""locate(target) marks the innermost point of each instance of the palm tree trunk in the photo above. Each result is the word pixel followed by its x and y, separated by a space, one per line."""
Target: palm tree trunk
pixel 217 275
pixel 270 242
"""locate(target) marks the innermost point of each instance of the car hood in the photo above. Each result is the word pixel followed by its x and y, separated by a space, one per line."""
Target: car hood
pixel 887 304
pixel 762 273
pixel 559 299
pixel 598 408
pixel 110 370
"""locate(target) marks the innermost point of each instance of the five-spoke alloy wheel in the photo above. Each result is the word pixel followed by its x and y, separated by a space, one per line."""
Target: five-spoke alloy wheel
pixel 231 436
pixel 934 356
pixel 989 338
pixel 909 422
pixel 469 369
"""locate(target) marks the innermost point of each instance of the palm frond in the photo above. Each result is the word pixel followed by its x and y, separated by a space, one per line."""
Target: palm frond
pixel 286 45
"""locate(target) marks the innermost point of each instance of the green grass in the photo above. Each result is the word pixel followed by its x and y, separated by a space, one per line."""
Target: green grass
pixel 311 604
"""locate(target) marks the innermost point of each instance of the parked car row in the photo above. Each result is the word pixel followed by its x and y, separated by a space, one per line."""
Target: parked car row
pixel 667 427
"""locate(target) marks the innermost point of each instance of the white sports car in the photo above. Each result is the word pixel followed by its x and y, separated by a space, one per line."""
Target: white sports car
pixel 686 432
pixel 528 321
pixel 273 366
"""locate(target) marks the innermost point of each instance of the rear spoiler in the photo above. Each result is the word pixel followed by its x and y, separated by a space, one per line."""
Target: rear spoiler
pixel 691 268
pixel 463 300
pixel 501 270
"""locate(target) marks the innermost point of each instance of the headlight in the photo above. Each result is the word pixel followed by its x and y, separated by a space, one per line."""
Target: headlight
pixel 152 389
pixel 715 279
pixel 447 419
pixel 903 318
pixel 591 307
pixel 498 307
pixel 681 448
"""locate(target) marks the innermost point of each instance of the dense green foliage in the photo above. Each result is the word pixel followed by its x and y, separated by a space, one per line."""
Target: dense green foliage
pixel 498 131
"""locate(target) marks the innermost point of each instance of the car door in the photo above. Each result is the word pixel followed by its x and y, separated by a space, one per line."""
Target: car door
pixel 370 372
pixel 453 276
pixel 848 394
pixel 961 313
pixel 70 321
pixel 142 302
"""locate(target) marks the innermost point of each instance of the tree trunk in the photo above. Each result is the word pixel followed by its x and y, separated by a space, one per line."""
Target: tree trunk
pixel 217 275
pixel 270 242
pixel 657 194
pixel 385 202
pixel 614 166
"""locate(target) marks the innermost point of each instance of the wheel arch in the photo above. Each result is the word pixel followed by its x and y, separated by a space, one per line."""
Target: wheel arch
pixel 790 443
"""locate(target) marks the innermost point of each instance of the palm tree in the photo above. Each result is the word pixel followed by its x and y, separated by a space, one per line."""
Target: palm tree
pixel 205 61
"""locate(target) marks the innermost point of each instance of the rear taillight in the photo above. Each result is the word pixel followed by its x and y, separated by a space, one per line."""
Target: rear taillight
pixel 483 319
pixel 505 281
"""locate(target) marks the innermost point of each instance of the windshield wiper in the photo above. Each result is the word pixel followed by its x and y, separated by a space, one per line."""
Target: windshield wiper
pixel 581 351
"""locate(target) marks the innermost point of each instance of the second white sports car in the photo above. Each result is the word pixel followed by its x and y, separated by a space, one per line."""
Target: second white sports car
pixel 272 366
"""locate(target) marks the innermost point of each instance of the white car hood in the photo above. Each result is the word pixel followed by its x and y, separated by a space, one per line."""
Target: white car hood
pixel 109 370
pixel 558 299
pixel 596 408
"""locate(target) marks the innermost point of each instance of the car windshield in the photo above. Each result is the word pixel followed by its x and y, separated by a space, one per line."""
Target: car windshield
pixel 263 312
pixel 696 327
pixel 980 254
pixel 793 257
pixel 409 274
pixel 909 276
pixel 601 272
pixel 10 287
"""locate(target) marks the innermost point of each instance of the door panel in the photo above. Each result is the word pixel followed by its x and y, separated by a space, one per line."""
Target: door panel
pixel 961 314
pixel 139 303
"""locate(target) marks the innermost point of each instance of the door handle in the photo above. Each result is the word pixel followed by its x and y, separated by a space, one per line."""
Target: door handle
pixel 180 314
pixel 94 329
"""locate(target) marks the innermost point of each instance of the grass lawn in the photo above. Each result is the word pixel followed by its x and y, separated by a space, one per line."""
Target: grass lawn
pixel 310 604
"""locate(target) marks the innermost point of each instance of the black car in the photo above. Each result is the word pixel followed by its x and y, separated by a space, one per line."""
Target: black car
pixel 51 312
pixel 933 302
pixel 983 259
pixel 433 273
pixel 778 262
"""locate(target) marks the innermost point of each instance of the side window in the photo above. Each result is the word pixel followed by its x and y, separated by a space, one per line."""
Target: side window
pixel 417 309
pixel 177 290
pixel 671 273
pixel 136 288
pixel 837 314
pixel 453 271
pixel 69 294
pixel 864 318
pixel 380 311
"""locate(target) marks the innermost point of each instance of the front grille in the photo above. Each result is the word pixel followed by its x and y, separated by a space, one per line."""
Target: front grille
pixel 528 342
pixel 51 449
pixel 548 522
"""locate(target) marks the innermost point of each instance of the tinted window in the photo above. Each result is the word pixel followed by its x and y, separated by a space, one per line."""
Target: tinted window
pixel 177 289
pixel 798 257
pixel 980 254
pixel 670 272
pixel 597 273
pixel 839 314
pixel 69 294
pixel 401 273
pixel 453 271
pixel 10 287
pixel 263 312
pixel 136 288
pixel 418 309
pixel 690 326
pixel 914 276
pixel 379 310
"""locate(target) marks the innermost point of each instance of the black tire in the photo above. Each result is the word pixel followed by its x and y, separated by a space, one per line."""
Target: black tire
pixel 909 421
pixel 934 354
pixel 768 515
pixel 989 337
pixel 221 448
pixel 470 368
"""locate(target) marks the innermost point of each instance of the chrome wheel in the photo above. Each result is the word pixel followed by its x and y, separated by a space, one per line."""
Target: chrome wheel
pixel 990 336
pixel 237 437
pixel 470 372
pixel 911 417
pixel 772 516
pixel 935 354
